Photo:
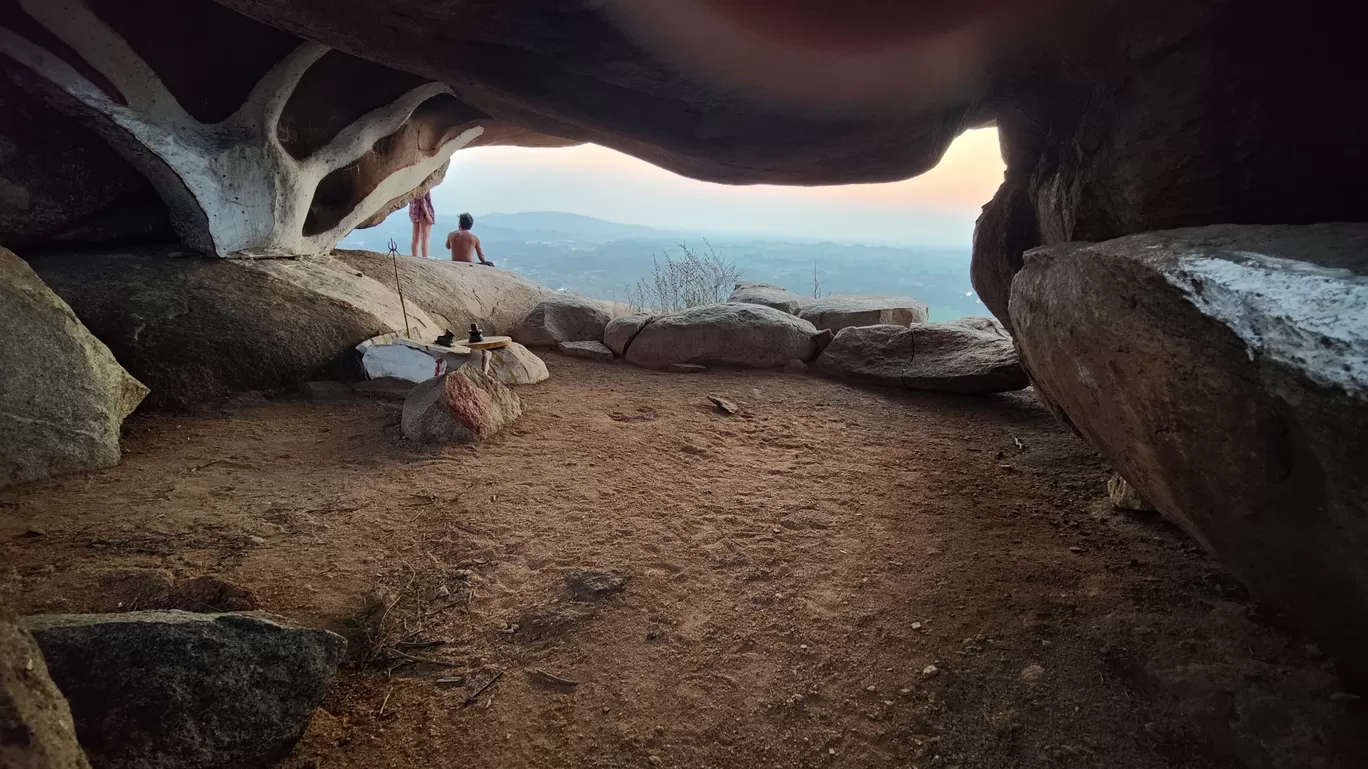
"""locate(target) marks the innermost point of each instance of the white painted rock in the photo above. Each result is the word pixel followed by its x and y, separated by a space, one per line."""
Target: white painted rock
pixel 969 355
pixel 390 356
pixel 838 312
pixel 595 351
pixel 461 406
pixel 516 365
pixel 749 335
pixel 620 331
pixel 563 318
pixel 63 397
pixel 768 296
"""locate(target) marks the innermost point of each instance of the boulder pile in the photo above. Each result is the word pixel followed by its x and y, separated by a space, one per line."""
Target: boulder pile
pixel 835 312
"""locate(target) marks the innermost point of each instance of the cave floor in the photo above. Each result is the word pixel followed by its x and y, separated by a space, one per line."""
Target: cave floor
pixel 833 577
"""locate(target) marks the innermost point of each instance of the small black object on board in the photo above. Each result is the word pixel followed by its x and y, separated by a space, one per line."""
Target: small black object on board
pixel 446 338
pixel 476 335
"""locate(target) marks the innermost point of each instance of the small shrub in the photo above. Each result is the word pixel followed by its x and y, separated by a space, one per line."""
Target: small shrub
pixel 694 279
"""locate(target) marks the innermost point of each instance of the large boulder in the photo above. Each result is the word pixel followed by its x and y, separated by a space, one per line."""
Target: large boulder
pixel 194 329
pixel 455 294
pixel 838 312
pixel 36 728
pixel 63 396
pixel 174 690
pixel 968 355
pixel 1224 372
pixel 563 318
pixel 461 406
pixel 749 335
pixel 770 296
pixel 620 331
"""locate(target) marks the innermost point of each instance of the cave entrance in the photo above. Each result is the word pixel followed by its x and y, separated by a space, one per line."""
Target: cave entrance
pixel 594 221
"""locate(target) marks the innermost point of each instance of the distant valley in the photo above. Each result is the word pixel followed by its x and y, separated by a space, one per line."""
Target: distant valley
pixel 601 258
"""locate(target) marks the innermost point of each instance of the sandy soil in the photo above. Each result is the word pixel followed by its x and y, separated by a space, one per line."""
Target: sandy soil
pixel 833 577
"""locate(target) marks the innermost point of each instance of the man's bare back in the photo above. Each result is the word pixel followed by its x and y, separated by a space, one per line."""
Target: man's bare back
pixel 465 246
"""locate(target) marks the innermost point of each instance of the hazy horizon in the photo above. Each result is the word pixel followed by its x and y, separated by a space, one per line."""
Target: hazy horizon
pixel 937 208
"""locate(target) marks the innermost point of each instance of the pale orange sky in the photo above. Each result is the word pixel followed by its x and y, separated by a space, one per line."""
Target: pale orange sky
pixel 938 207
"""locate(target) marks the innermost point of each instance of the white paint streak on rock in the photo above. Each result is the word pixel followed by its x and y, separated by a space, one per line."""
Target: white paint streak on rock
pixel 1310 318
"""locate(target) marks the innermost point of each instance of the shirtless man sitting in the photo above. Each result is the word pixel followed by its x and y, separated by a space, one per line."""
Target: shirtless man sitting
pixel 464 244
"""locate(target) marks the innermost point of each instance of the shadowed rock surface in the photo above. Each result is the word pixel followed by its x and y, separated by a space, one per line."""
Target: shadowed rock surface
pixel 1224 371
pixel 164 690
pixel 195 329
pixel 65 396
pixel 620 331
pixel 36 728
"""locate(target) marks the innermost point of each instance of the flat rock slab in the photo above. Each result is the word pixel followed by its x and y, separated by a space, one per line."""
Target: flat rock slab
pixel 838 312
pixel 461 406
pixel 595 351
pixel 156 690
pixel 1224 372
pixel 732 334
pixel 686 368
pixel 326 391
pixel 969 355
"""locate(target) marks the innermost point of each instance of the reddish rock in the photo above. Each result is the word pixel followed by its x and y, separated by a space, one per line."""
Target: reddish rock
pixel 460 406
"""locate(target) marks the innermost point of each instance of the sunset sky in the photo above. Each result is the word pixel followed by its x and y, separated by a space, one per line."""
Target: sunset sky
pixel 937 208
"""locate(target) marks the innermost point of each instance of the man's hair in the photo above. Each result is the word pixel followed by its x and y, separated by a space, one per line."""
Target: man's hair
pixel 467 221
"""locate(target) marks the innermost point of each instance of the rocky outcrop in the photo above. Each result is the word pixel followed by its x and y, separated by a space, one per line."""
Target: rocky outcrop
pixel 752 336
pixel 837 312
pixel 563 318
pixel 63 396
pixel 455 294
pixel 1224 371
pixel 36 728
pixel 516 365
pixel 620 331
pixel 595 351
pixel 461 406
pixel 969 355
pixel 194 329
pixel 770 296
pixel 164 689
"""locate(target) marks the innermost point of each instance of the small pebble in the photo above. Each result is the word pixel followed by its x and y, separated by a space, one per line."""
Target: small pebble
pixel 1076 549
pixel 255 540
pixel 930 671
pixel 916 626
pixel 1032 673
pixel 871 689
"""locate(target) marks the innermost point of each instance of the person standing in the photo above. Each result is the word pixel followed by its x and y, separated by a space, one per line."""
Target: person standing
pixel 423 217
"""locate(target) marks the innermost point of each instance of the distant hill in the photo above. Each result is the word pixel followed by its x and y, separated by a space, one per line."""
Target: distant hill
pixel 602 258
pixel 558 225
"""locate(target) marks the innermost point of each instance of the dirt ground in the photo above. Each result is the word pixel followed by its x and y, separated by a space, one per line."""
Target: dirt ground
pixel 833 577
